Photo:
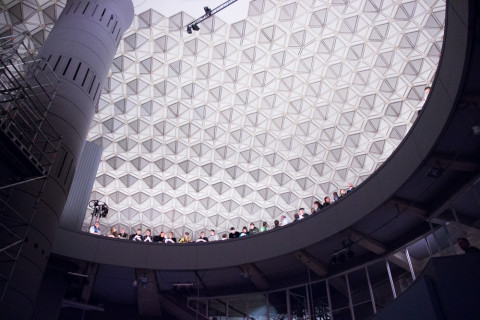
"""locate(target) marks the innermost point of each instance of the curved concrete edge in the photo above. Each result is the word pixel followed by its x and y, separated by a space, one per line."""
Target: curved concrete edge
pixel 378 188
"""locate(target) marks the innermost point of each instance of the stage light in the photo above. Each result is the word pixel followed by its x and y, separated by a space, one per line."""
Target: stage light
pixel 208 11
pixel 189 30
pixel 195 27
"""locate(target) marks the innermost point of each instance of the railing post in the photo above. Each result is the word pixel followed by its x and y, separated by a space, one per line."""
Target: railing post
pixel 372 297
pixel 350 303
pixel 392 284
pixel 430 253
pixel 268 307
pixel 307 296
pixel 289 308
pixel 329 300
pixel 410 265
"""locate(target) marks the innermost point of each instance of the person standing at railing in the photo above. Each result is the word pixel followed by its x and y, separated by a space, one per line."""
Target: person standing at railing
pixel 186 238
pixel 213 236
pixel 302 214
pixel 137 236
pixel 112 233
pixel 253 229
pixel 95 229
pixel 464 244
pixel 202 237
pixel 148 236
pixel 122 234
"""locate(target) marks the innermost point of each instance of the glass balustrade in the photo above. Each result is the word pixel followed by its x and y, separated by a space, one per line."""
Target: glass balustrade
pixel 355 294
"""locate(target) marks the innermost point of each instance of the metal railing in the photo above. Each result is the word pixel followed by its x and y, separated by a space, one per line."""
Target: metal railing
pixel 356 294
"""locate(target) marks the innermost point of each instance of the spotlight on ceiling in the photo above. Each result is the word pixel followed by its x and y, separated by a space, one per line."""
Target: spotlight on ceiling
pixel 195 27
pixel 189 30
pixel 208 11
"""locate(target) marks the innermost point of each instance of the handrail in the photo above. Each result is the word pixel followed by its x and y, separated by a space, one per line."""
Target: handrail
pixel 309 284
pixel 344 272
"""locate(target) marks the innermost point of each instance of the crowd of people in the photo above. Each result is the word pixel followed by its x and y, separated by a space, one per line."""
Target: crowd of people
pixel 233 233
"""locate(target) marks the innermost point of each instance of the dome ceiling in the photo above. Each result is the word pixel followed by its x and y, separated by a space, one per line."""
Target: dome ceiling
pixel 245 120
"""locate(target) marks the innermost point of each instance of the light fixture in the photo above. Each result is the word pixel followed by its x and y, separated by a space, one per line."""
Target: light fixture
pixel 183 284
pixel 208 11
pixel 186 286
pixel 189 30
pixel 476 130
pixel 195 27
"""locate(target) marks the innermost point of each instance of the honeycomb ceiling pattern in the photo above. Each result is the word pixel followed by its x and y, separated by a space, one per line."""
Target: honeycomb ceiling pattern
pixel 245 121
pixel 34 16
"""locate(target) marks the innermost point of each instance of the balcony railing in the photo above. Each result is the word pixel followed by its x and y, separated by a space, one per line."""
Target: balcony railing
pixel 356 294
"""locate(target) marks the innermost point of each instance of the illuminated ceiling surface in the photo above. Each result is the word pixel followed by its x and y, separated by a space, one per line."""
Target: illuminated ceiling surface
pixel 271 105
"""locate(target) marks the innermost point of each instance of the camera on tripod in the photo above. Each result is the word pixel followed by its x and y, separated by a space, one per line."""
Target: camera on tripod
pixel 99 208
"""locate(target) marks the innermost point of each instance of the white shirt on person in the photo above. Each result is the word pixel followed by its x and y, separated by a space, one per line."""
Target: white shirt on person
pixel 95 230
pixel 213 238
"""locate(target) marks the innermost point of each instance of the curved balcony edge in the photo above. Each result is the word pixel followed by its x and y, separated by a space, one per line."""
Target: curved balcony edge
pixel 374 192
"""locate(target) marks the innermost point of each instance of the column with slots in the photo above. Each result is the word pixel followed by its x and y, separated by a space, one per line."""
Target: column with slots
pixel 78 53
